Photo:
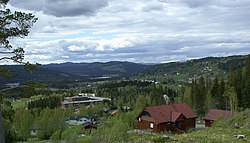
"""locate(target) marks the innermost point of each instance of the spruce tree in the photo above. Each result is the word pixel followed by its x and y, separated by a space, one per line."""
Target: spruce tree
pixel 246 101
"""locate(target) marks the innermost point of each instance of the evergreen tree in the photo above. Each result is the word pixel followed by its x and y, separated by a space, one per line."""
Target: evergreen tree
pixel 193 93
pixel 239 86
pixel 221 98
pixel 246 97
pixel 157 95
pixel 215 87
pixel 199 96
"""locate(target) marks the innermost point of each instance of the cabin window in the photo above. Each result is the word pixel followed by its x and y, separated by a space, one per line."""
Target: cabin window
pixel 139 119
pixel 151 125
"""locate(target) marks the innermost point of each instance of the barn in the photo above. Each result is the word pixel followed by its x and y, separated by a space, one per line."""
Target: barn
pixel 171 117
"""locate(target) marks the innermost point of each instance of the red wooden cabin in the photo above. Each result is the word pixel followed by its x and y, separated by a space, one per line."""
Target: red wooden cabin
pixel 171 117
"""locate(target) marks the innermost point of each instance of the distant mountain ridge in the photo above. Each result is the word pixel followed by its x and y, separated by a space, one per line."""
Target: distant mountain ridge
pixel 76 71
pixel 210 66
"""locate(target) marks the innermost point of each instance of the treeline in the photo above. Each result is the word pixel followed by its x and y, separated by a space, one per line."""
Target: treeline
pixel 45 102
pixel 136 83
pixel 232 93
pixel 127 94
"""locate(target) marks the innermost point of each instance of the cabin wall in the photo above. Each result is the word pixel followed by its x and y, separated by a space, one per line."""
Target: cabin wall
pixel 145 125
pixel 188 124
pixel 182 125
pixel 165 127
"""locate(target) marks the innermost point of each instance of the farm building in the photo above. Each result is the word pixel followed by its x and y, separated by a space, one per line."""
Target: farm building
pixel 83 100
pixel 171 117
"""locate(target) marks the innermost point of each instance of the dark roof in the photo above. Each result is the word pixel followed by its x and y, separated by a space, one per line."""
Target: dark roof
pixel 89 124
pixel 90 117
pixel 214 114
pixel 170 112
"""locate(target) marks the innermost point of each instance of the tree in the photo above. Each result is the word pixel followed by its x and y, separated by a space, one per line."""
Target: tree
pixel 217 92
pixel 50 121
pixel 23 122
pixel 221 98
pixel 246 102
pixel 12 25
pixel 231 95
pixel 199 96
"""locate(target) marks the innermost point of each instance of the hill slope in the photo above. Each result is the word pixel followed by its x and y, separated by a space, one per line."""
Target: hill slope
pixel 113 68
pixel 209 66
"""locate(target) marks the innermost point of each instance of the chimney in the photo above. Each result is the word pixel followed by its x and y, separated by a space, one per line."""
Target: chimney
pixel 167 99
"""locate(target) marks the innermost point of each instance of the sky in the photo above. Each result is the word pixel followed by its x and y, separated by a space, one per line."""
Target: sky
pixel 141 31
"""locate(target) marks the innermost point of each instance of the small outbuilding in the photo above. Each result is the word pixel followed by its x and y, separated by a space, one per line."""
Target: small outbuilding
pixel 215 114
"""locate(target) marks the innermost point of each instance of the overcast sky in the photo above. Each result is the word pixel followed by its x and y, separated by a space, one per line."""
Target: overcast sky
pixel 143 31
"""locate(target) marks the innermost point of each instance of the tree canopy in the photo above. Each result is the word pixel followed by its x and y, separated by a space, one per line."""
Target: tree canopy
pixel 12 25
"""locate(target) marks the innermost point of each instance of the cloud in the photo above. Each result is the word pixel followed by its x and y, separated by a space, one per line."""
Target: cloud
pixel 153 6
pixel 140 31
pixel 62 8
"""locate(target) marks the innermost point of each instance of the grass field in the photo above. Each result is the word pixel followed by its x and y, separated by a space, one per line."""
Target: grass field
pixel 22 103
pixel 19 104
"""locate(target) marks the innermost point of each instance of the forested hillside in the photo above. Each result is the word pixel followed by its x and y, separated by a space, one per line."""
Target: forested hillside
pixel 210 66
pixel 74 71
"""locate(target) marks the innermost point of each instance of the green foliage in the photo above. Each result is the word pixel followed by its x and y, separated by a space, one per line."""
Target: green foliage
pixel 212 135
pixel 199 96
pixel 113 130
pixel 56 136
pixel 231 95
pixel 140 103
pixel 84 140
pixel 216 93
pixel 156 95
pixel 242 119
pixel 9 131
pixel 159 139
pixel 49 122
pixel 44 102
pixel 6 73
pixel 71 134
pixel 13 24
pixel 126 92
pixel 246 95
pixel 33 88
pixel 210 66
pixel 23 122
pixel 92 110
pixel 8 112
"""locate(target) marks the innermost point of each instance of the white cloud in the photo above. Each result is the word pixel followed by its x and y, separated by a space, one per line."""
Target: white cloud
pixel 75 48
